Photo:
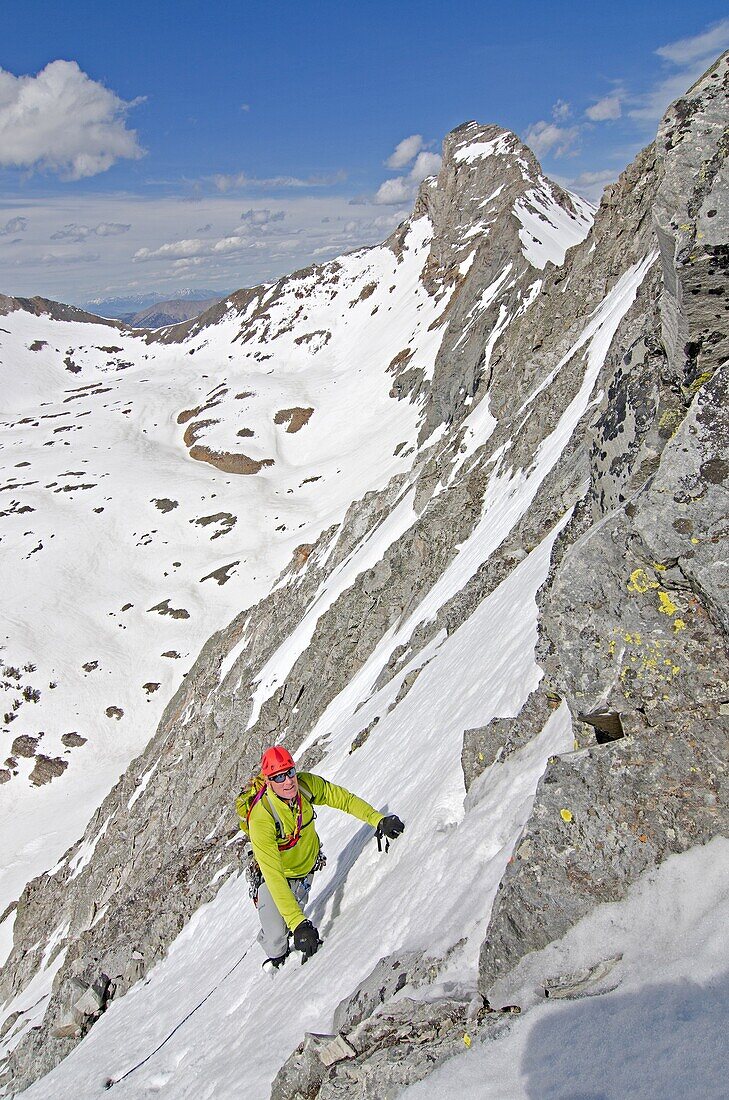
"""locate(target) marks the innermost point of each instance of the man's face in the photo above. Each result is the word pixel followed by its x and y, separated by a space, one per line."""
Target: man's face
pixel 285 785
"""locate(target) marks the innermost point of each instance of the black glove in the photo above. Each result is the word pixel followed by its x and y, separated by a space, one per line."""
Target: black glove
pixel 391 827
pixel 306 939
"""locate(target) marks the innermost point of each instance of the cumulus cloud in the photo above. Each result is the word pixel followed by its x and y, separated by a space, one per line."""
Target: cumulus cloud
pixel 590 185
pixel 194 247
pixel 111 229
pixel 561 111
pixel 262 217
pixel 78 233
pixel 405 151
pixel 62 121
pixel 403 189
pixel 546 137
pixel 241 180
pixel 609 107
pixel 15 225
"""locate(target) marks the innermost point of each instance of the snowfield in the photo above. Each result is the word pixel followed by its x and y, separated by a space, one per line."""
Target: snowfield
pixel 122 553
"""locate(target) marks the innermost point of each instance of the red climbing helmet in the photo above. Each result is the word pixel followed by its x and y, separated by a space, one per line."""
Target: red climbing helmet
pixel 276 760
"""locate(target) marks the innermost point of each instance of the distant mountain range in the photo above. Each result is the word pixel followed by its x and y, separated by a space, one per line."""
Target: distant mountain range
pixel 128 307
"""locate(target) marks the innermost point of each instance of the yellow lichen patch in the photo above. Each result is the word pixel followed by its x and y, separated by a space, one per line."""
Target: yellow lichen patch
pixel 640 581
pixel 698 382
pixel 566 815
pixel 666 604
pixel 678 626
pixel 661 568
pixel 670 420
pixel 695 541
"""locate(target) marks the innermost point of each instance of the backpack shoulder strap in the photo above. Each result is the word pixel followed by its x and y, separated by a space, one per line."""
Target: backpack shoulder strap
pixel 275 815
pixel 306 790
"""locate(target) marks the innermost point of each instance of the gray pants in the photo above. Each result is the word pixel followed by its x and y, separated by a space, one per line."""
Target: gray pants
pixel 273 936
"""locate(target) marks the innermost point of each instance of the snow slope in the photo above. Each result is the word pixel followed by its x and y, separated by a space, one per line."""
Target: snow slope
pixel 122 553
pixel 366 905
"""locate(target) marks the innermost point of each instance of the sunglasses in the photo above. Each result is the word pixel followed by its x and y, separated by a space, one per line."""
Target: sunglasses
pixel 283 776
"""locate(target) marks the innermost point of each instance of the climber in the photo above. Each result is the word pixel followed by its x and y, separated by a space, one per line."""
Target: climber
pixel 277 812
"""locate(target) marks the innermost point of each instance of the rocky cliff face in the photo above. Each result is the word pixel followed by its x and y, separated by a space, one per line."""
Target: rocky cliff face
pixel 575 405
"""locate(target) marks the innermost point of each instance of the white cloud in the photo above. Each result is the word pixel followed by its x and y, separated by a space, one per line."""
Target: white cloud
pixel 609 107
pixel 405 151
pixel 403 189
pixel 262 217
pixel 426 164
pixel 248 255
pixel 62 121
pixel 545 137
pixel 701 47
pixel 70 258
pixel 111 229
pixel 590 185
pixel 561 111
pixel 691 57
pixel 194 247
pixel 15 225
pixel 77 233
pixel 241 181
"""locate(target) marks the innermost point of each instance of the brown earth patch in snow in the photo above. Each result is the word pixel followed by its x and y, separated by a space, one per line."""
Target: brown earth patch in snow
pixel 294 418
pixel 400 361
pixel 320 336
pixel 222 574
pixel 242 396
pixel 25 745
pixel 245 433
pixel 193 431
pixel 366 292
pixel 38 345
pixel 114 712
pixel 229 463
pixel 164 608
pixel 47 768
pixel 226 520
pixel 73 740
pixel 164 503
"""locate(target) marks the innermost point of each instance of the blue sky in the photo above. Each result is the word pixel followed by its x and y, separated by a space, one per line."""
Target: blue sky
pixel 147 148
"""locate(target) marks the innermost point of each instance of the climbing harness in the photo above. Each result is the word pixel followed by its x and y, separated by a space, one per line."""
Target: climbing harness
pixel 254 874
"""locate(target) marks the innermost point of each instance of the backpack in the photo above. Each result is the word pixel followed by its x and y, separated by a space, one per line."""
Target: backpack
pixel 253 793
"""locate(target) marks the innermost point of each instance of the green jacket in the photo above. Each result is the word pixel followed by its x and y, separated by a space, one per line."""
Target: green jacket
pixel 296 862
